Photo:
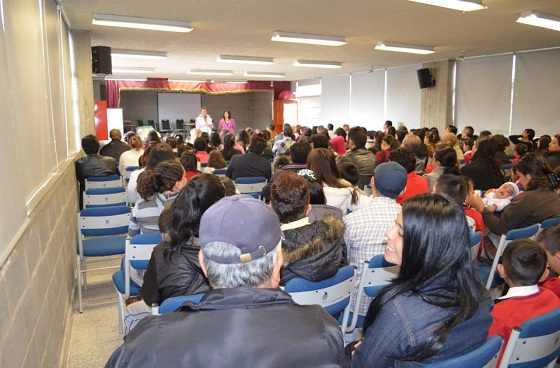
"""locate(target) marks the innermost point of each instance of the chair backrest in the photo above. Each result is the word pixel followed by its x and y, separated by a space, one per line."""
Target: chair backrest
pixel 522 233
pixel 126 174
pixel 506 168
pixel 165 125
pixel 107 181
pixel 102 197
pixel 151 123
pixel 220 172
pixel 137 255
pixel 251 186
pixel 179 124
pixel 140 122
pixel 375 275
pixel 548 223
pixel 485 355
pixel 535 344
pixel 174 303
pixel 332 294
pixel 102 221
pixel 476 240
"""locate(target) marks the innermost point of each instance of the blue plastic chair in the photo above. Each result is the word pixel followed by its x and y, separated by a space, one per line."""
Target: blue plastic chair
pixel 108 181
pixel 126 174
pixel 332 294
pixel 376 274
pixel 137 256
pixel 103 197
pixel 487 273
pixel 536 343
pixel 548 223
pixel 220 172
pixel 485 355
pixel 251 186
pixel 102 231
pixel 174 303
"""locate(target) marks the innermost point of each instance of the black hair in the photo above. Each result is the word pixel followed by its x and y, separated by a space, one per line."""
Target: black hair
pixel 189 160
pixel 193 200
pixel 90 144
pixel 530 133
pixel 349 172
pixel 542 175
pixel 403 157
pixel 454 186
pixel 299 152
pixel 452 129
pixel 358 136
pixel 289 197
pixel 340 131
pixel 200 144
pixel 161 152
pixel 524 262
pixel 320 141
pixel 258 144
pixel 436 268
pixel 447 157
pixel 161 179
pixel 548 238
pixel 470 130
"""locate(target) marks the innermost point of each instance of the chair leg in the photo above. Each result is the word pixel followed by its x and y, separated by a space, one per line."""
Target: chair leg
pixel 84 267
pixel 120 306
pixel 79 286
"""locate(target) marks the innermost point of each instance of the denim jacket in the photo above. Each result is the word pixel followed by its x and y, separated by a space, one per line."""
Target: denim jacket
pixel 406 321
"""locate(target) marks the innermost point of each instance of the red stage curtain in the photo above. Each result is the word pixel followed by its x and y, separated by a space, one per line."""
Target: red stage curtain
pixel 113 87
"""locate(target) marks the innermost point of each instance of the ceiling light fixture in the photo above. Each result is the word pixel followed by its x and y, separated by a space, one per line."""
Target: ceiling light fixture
pixel 264 75
pixel 138 54
pixel 318 64
pixel 125 69
pixel 399 47
pixel 210 72
pixel 141 23
pixel 187 80
pixel 462 5
pixel 129 79
pixel 236 82
pixel 311 39
pixel 537 19
pixel 244 59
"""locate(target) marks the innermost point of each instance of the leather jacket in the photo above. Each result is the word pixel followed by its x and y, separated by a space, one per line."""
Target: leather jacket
pixel 366 162
pixel 173 275
pixel 239 327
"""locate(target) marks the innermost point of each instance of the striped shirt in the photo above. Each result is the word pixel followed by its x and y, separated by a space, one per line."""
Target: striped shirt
pixel 146 213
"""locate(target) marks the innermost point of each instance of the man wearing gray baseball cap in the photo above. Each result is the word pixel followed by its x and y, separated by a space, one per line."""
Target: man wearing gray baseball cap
pixel 245 320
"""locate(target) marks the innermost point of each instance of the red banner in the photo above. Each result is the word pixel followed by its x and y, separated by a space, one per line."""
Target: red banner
pixel 100 117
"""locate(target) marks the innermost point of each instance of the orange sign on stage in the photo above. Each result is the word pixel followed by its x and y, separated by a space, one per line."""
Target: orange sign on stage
pixel 100 117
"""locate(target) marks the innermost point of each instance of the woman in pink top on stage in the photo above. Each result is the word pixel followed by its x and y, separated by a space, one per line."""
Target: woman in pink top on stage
pixel 227 122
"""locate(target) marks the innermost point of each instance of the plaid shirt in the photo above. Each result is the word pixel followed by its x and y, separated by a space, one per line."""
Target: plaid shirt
pixel 364 235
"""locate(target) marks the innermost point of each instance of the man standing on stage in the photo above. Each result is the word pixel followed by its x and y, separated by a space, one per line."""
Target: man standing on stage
pixel 204 121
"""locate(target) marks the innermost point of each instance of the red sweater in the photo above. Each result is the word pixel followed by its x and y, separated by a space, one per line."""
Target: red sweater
pixel 552 284
pixel 415 184
pixel 513 311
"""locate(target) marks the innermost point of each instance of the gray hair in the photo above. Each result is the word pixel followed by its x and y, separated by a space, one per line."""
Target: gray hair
pixel 251 274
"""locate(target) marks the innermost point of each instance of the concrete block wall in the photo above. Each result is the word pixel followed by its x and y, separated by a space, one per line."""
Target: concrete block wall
pixel 37 281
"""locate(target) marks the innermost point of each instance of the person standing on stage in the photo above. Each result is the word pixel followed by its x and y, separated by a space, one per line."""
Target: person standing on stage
pixel 204 121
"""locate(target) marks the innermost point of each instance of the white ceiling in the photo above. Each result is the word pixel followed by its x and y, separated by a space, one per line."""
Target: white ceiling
pixel 244 27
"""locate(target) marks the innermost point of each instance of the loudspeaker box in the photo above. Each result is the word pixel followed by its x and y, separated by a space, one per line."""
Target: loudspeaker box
pixel 101 60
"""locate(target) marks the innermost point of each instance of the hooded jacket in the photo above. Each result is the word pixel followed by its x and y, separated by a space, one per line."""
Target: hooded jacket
pixel 315 251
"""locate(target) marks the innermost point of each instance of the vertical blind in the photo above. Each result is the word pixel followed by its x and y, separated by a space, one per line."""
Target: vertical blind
pixel 35 108
pixel 368 99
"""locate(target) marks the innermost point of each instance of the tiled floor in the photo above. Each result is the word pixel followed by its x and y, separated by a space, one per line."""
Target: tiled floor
pixel 94 334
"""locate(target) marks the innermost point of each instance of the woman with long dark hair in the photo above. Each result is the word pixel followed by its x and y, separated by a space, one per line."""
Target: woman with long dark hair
pixel 444 162
pixel 229 147
pixel 437 307
pixel 485 171
pixel 173 269
pixel 227 122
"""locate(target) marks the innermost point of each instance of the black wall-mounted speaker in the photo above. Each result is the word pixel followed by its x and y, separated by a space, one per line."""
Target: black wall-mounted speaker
pixel 425 78
pixel 101 60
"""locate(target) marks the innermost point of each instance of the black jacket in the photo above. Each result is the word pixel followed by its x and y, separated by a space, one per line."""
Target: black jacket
pixel 178 275
pixel 114 149
pixel 94 165
pixel 314 252
pixel 240 327
pixel 249 165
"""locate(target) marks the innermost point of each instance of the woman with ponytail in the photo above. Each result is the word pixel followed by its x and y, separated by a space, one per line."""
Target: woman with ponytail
pixel 436 307
pixel 156 187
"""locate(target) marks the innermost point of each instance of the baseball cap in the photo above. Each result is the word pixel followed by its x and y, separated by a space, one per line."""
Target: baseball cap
pixel 243 221
pixel 390 179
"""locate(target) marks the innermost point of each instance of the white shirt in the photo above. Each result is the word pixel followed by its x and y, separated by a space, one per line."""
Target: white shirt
pixel 521 291
pixel 204 124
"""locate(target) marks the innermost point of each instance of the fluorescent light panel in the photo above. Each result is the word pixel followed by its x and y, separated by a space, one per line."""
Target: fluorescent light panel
pixel 264 75
pixel 318 64
pixel 141 23
pixel 131 79
pixel 400 47
pixel 537 19
pixel 125 69
pixel 462 5
pixel 244 59
pixel 311 39
pixel 187 80
pixel 236 82
pixel 138 54
pixel 210 72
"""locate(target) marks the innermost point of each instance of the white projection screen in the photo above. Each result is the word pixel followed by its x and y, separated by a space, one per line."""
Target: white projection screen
pixel 173 106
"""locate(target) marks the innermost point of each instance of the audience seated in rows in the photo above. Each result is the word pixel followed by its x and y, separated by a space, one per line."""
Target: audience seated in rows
pixel 313 250
pixel 243 268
